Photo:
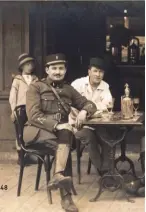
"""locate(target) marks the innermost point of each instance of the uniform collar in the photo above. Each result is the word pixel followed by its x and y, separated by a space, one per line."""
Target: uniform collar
pixel 100 86
pixel 55 84
pixel 34 77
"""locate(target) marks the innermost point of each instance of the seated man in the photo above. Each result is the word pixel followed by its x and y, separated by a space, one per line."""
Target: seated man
pixel 48 104
pixel 95 89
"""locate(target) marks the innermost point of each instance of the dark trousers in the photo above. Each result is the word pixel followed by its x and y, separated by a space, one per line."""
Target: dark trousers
pixel 90 138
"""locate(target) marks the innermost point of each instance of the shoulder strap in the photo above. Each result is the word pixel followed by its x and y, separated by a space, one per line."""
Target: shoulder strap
pixel 59 99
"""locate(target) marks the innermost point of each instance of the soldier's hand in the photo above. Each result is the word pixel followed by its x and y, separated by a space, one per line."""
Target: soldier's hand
pixel 65 126
pixel 80 119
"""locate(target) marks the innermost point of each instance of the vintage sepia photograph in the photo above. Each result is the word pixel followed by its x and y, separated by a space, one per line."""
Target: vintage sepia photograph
pixel 72 106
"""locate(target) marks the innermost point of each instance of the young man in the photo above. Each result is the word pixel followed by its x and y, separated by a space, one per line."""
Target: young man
pixel 95 89
pixel 20 86
pixel 48 121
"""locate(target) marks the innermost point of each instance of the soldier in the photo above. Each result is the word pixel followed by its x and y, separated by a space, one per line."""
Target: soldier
pixel 48 105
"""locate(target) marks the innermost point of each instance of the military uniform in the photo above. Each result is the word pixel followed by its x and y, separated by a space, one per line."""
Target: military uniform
pixel 45 112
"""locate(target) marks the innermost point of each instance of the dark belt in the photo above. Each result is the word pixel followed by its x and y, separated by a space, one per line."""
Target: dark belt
pixel 57 116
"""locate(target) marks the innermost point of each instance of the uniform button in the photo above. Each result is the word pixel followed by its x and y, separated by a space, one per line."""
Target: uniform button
pixel 59 109
pixel 60 91
pixel 58 103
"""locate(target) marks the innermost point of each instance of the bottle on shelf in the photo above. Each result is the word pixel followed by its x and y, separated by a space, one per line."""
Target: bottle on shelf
pixel 133 51
pixel 124 54
pixel 116 53
pixel 126 19
pixel 124 49
pixel 142 58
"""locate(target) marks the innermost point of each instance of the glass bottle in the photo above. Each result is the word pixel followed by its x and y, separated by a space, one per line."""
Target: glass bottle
pixel 124 51
pixel 126 19
pixel 126 104
pixel 143 56
pixel 116 53
pixel 133 51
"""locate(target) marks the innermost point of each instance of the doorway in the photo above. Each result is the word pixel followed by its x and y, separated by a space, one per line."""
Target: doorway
pixel 78 32
pixel 76 29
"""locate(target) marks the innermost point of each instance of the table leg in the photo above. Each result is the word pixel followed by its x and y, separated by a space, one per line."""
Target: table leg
pixel 125 193
pixel 124 158
pixel 112 172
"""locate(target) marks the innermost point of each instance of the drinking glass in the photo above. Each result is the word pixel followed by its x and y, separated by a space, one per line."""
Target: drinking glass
pixel 110 106
pixel 136 105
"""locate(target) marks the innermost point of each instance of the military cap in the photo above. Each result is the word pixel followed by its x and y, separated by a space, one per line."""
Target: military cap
pixel 97 62
pixel 55 58
pixel 24 58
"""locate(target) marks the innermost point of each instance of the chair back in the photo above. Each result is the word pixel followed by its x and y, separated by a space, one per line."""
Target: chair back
pixel 21 119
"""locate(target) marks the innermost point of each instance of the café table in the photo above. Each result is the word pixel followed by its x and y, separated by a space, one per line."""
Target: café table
pixel 116 128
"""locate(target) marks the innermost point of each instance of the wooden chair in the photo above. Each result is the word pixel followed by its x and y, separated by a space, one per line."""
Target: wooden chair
pixel 38 150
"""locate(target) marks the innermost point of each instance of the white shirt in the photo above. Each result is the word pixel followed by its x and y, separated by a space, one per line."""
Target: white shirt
pixel 27 78
pixel 101 96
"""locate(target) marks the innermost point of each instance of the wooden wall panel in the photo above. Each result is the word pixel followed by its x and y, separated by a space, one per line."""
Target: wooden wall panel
pixel 1 51
pixel 6 126
pixel 12 43
pixel 14 40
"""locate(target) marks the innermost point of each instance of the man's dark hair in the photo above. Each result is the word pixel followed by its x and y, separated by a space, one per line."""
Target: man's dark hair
pixel 90 66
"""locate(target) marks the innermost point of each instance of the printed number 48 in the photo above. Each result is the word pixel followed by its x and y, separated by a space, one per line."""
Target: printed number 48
pixel 4 187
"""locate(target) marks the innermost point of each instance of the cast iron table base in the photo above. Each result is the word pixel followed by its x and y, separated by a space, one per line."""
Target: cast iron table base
pixel 112 173
pixel 123 158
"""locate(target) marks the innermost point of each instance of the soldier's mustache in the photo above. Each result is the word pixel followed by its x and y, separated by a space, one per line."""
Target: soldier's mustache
pixel 57 75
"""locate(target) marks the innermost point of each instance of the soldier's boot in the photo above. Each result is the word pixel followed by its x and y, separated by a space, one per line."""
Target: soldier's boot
pixel 59 180
pixel 66 201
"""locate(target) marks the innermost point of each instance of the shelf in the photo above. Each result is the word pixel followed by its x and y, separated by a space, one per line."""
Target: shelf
pixel 130 66
pixel 131 70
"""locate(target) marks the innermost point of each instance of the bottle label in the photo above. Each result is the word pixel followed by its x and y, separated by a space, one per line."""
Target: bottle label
pixel 124 55
pixel 133 55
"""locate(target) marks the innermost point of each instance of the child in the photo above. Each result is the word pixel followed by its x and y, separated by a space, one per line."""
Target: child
pixel 20 85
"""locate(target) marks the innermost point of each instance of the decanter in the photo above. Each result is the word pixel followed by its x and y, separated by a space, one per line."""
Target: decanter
pixel 127 104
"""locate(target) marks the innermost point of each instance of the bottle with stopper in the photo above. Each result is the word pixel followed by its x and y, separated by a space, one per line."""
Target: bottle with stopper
pixel 127 104
pixel 124 52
